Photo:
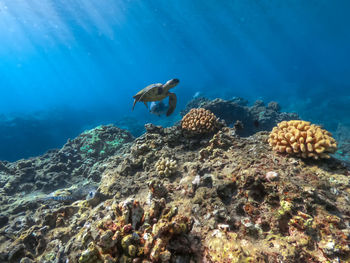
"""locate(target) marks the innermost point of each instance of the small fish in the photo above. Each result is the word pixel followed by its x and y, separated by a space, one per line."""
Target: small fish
pixel 158 108
pixel 71 195
pixel 197 95
pixel 60 198
pixel 61 195
pixel 91 194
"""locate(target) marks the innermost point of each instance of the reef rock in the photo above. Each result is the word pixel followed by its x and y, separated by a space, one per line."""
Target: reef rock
pixel 57 178
pixel 230 199
pixel 255 118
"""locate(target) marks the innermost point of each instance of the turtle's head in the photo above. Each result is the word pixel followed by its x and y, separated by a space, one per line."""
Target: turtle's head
pixel 171 83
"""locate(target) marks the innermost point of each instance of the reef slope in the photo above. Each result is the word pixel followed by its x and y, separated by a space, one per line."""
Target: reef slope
pixel 220 198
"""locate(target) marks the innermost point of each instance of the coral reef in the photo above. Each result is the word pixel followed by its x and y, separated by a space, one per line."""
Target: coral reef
pixel 101 141
pixel 252 119
pixel 57 178
pixel 342 135
pixel 231 199
pixel 166 166
pixel 199 122
pixel 134 234
pixel 303 139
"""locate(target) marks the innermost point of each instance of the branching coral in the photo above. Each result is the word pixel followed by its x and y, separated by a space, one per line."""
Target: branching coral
pixel 199 121
pixel 166 166
pixel 303 139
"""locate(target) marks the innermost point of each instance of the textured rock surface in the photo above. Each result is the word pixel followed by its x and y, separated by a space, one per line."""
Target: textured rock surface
pixel 255 118
pixel 56 178
pixel 221 205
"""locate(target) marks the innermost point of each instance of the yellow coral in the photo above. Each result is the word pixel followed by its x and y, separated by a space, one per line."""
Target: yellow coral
pixel 303 139
pixel 166 166
pixel 199 121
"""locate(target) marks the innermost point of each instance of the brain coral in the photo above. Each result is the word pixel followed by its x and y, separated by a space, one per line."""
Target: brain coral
pixel 303 139
pixel 199 121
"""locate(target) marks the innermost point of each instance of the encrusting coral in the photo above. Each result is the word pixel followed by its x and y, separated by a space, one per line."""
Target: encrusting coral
pixel 199 121
pixel 166 166
pixel 303 139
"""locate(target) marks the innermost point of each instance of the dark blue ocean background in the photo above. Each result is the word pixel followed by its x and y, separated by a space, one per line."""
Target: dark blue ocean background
pixel 70 65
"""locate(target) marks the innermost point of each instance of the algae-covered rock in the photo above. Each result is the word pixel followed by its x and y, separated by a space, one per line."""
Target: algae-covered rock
pixel 90 255
pixel 231 199
pixel 102 141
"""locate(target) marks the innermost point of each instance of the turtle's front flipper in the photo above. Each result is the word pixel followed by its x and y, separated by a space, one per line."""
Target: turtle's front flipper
pixel 133 106
pixel 146 104
pixel 172 103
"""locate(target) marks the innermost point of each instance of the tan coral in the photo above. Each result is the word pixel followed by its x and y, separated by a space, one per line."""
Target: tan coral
pixel 199 121
pixel 166 166
pixel 303 139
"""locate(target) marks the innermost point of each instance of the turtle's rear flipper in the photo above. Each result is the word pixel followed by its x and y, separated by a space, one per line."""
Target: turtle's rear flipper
pixel 137 100
pixel 172 103
pixel 133 106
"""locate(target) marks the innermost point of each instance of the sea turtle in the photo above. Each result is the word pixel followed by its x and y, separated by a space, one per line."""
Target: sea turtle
pixel 157 92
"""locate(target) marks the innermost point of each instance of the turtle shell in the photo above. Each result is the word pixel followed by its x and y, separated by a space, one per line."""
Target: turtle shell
pixel 153 92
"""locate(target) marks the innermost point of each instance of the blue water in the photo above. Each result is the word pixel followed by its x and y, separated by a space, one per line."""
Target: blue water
pixel 67 65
